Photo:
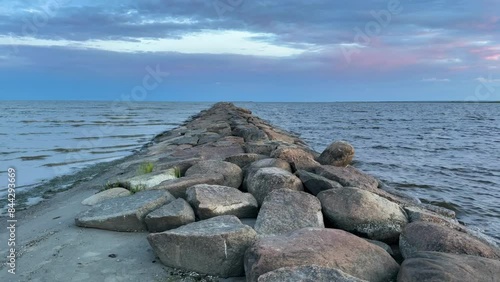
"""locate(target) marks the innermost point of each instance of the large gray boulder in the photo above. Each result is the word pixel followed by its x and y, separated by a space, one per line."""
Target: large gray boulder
pixel 233 175
pixel 179 186
pixel 214 246
pixel 338 153
pixel 267 179
pixel 252 168
pixel 297 157
pixel 124 213
pixel 357 210
pixel 426 236
pixel 286 210
pixel 315 183
pixel 348 176
pixel 307 273
pixel 434 266
pixel 215 200
pixel 170 216
pixel 105 195
pixel 330 248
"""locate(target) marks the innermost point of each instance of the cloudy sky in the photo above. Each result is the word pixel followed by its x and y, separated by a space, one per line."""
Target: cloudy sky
pixel 243 50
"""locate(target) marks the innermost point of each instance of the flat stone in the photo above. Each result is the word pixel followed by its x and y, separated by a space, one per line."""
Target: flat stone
pixel 214 246
pixel 146 181
pixel 286 210
pixel 179 186
pixel 431 237
pixel 434 266
pixel 170 216
pixel 233 175
pixel 357 210
pixel 215 200
pixel 323 247
pixel 308 273
pixel 124 213
pixel 184 140
pixel 208 137
pixel 267 179
pixel 348 176
pixel 315 183
pixel 106 194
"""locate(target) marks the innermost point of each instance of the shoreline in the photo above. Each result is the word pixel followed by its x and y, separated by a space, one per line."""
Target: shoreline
pixel 47 230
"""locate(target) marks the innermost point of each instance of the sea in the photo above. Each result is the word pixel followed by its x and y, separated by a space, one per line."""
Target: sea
pixel 447 154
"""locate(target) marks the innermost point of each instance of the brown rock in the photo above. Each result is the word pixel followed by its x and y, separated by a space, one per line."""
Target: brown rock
pixel 431 237
pixel 348 176
pixel 322 247
pixel 339 153
pixel 297 157
pixel 434 266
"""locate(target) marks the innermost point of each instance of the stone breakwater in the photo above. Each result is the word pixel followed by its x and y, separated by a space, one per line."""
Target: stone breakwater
pixel 230 195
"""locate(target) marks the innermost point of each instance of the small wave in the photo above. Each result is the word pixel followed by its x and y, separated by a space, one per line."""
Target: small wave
pixel 381 147
pixel 413 185
pixel 86 138
pixel 76 162
pixel 34 158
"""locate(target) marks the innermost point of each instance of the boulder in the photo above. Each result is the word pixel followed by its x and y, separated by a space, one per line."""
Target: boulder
pixel 252 168
pixel 286 210
pixel 330 248
pixel 315 183
pixel 215 200
pixel 308 273
pixel 233 175
pixel 348 177
pixel 214 246
pixel 208 137
pixel 170 216
pixel 262 148
pixel 106 194
pixel 267 179
pixel 362 212
pixel 124 213
pixel 419 214
pixel 339 153
pixel 146 181
pixel 222 128
pixel 426 236
pixel 250 133
pixel 434 266
pixel 184 140
pixel 178 187
pixel 297 157
pixel 242 160
pixel 268 162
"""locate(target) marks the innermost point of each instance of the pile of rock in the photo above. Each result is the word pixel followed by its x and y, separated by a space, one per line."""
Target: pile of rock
pixel 254 201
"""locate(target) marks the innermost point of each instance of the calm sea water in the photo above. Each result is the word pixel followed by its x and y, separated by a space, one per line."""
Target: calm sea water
pixel 443 153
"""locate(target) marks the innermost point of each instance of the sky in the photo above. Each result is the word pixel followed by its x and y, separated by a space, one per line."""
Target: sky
pixel 243 50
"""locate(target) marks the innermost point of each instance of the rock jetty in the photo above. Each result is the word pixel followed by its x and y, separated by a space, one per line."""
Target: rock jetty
pixel 231 195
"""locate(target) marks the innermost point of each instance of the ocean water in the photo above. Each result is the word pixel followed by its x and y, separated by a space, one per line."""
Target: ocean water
pixel 447 154
pixel 45 139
